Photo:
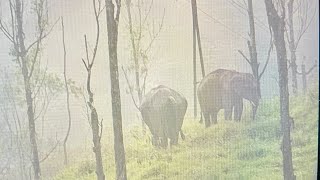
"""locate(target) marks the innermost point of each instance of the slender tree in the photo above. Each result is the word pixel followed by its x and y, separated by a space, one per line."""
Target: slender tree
pixel 96 125
pixel 112 28
pixel 140 53
pixel 253 56
pixel 27 62
pixel 67 94
pixel 304 73
pixel 303 9
pixel 277 24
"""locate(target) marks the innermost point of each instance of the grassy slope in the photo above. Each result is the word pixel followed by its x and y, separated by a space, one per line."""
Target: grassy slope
pixel 229 150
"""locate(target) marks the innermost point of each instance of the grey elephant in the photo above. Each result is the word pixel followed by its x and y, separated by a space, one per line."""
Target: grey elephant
pixel 163 111
pixel 225 89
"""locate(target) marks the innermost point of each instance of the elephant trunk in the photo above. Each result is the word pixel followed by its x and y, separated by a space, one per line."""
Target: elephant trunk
pixel 254 110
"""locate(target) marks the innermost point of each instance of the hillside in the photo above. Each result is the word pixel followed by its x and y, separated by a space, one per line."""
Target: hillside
pixel 228 150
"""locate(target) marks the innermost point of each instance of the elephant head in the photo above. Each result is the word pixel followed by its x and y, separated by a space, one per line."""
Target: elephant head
pixel 246 86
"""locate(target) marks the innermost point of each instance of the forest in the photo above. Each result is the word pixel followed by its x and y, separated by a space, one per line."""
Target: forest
pixel 149 89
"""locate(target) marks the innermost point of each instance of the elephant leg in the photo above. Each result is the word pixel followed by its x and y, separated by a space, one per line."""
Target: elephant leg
pixel 254 111
pixel 214 117
pixel 228 113
pixel 164 142
pixel 201 118
pixel 174 140
pixel 238 109
pixel 207 119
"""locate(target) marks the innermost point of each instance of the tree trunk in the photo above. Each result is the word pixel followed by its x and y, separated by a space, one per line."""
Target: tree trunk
pixel 28 92
pixel 112 27
pixel 304 78
pixel 292 47
pixel 277 23
pixel 68 95
pixel 96 138
pixel 252 46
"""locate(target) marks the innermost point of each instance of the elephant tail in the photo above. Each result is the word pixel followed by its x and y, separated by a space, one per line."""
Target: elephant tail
pixel 183 137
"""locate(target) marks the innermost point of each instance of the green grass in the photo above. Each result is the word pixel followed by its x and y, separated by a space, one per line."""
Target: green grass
pixel 228 150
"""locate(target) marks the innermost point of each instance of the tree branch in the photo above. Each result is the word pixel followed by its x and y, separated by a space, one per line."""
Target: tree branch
pixel 244 56
pixel 50 152
pixel 314 66
pixel 268 58
pixel 130 88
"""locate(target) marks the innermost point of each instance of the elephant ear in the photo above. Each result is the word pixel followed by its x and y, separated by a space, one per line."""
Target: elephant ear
pixel 238 84
pixel 242 84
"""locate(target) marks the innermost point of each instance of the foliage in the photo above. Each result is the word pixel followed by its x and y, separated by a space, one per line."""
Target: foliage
pixel 228 150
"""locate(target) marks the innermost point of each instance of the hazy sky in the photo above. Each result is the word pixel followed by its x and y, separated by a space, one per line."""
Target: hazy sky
pixel 224 30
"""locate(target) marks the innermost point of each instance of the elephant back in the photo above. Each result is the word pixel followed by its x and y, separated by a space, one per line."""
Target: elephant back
pixel 163 111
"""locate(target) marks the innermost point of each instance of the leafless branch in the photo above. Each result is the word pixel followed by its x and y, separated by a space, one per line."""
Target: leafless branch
pixel 306 27
pixel 130 88
pixel 43 36
pixel 50 152
pixel 155 35
pixel 268 58
pixel 311 69
pixel 245 57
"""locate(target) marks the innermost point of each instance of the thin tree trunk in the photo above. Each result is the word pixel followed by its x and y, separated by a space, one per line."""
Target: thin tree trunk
pixel 68 95
pixel 292 47
pixel 277 24
pixel 28 92
pixel 136 60
pixel 112 27
pixel 195 109
pixel 96 138
pixel 252 46
pixel 304 78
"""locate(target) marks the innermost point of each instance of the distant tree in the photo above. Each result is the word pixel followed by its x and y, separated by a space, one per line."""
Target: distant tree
pixel 276 19
pixel 112 28
pixel 140 51
pixel 304 73
pixel 303 9
pixel 27 57
pixel 95 124
pixel 252 47
pixel 67 94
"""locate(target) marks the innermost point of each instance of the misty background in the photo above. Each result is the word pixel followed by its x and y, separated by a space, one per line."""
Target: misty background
pixel 224 31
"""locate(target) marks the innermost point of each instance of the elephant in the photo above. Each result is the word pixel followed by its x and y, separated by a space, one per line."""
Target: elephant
pixel 226 89
pixel 163 110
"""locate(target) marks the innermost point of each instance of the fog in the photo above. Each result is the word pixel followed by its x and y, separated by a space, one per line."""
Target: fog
pixel 224 30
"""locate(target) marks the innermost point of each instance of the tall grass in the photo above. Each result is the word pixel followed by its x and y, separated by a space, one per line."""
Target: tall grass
pixel 229 150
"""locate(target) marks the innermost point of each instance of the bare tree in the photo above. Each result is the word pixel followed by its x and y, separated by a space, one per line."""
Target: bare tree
pixel 68 94
pixel 139 52
pixel 304 73
pixel 27 61
pixel 303 9
pixel 88 62
pixel 253 56
pixel 276 19
pixel 112 27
